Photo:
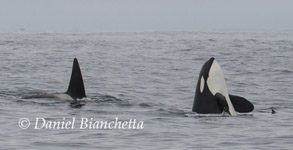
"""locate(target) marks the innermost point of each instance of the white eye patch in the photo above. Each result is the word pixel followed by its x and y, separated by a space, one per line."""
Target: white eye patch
pixel 201 84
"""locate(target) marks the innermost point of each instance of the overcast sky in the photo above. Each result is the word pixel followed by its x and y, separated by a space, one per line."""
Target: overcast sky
pixel 145 15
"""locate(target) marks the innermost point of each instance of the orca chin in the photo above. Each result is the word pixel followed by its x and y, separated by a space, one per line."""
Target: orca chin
pixel 75 89
pixel 211 94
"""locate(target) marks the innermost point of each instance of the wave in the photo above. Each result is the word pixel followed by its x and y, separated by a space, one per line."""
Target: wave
pixel 196 115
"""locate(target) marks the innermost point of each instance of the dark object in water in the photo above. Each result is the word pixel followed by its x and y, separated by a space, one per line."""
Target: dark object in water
pixel 273 111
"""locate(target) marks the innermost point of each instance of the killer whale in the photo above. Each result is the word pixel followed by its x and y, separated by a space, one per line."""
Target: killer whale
pixel 75 89
pixel 211 95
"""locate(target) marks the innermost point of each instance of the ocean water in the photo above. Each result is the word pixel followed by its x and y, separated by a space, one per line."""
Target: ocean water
pixel 150 77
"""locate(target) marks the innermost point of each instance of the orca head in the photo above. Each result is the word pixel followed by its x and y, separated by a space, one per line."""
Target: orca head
pixel 204 73
pixel 76 85
pixel 211 82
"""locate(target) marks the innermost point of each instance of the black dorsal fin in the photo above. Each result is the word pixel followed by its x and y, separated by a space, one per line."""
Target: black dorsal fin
pixel 76 86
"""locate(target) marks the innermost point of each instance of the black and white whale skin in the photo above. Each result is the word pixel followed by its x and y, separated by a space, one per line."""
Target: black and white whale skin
pixel 75 89
pixel 211 95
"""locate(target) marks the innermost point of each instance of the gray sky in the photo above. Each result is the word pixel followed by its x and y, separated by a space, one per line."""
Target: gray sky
pixel 145 15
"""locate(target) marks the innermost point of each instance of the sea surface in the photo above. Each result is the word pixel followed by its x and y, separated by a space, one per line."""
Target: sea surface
pixel 150 77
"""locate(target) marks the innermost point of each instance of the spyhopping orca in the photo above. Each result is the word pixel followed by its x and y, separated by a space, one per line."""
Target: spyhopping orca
pixel 75 88
pixel 211 95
